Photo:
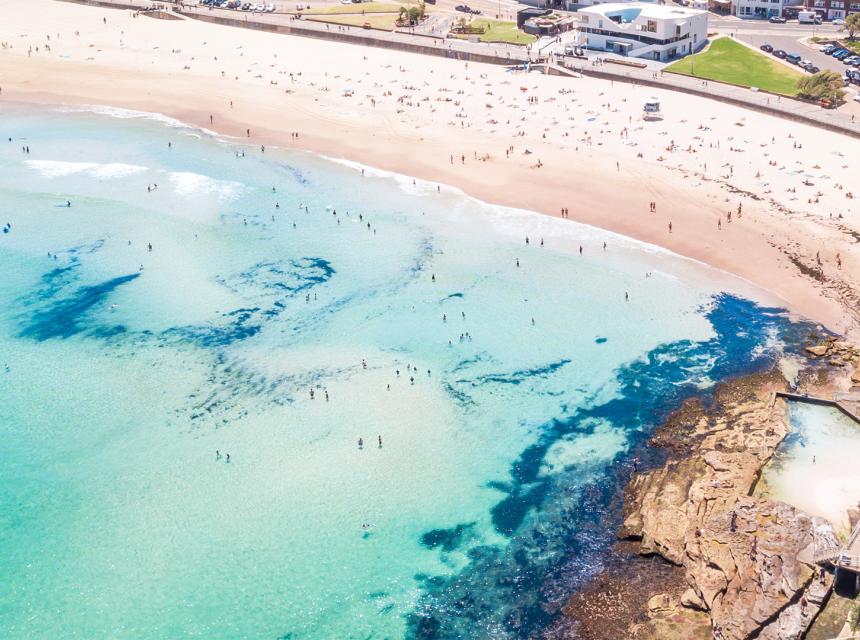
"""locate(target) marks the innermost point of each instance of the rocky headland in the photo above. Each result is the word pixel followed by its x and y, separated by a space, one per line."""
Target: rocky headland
pixel 700 554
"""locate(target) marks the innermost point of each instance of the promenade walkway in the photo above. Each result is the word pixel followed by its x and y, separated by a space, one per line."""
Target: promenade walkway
pixel 432 44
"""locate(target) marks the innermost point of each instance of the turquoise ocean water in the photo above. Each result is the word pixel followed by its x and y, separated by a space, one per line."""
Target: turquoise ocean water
pixel 508 398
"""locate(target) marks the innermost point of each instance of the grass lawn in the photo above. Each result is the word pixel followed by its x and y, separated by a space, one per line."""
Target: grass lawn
pixel 853 45
pixel 366 7
pixel 384 21
pixel 728 61
pixel 496 31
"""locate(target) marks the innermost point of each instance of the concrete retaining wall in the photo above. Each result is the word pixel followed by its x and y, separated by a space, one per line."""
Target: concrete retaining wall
pixel 368 38
pixel 355 36
pixel 768 109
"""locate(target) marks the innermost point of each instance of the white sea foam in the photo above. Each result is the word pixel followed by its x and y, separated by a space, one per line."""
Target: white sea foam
pixel 62 168
pixel 406 183
pixel 126 114
pixel 186 183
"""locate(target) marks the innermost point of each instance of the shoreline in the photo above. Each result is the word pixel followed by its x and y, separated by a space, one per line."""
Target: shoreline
pixel 775 257
pixel 730 282
pixel 700 573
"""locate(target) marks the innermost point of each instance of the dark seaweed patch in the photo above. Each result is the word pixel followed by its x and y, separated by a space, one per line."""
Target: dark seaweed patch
pixel 560 526
pixel 516 377
pixel 68 316
pixel 447 539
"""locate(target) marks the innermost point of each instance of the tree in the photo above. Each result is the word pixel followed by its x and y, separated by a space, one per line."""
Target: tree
pixel 826 85
pixel 852 24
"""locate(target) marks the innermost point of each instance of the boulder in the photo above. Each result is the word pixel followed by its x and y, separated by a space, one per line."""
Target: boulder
pixel 818 350
pixel 693 600
pixel 661 604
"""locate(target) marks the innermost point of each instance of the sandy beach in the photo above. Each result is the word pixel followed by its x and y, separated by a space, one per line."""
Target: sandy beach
pixel 763 198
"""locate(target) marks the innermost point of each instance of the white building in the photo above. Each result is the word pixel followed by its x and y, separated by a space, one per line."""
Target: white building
pixel 763 8
pixel 643 30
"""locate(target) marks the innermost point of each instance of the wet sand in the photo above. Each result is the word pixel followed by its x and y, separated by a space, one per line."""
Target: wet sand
pixel 524 140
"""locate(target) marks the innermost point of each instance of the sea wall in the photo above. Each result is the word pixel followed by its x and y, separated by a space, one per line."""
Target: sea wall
pixel 360 37
pixel 772 109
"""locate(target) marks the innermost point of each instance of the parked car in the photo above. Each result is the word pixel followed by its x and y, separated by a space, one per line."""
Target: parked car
pixel 779 53
pixel 842 54
pixel 850 59
pixel 462 8
pixel 270 8
pixel 777 20
pixel 838 22
pixel 857 97
pixel 793 58
pixel 766 47
pixel 828 48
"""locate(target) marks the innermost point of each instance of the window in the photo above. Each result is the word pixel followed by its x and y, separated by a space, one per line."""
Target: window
pixel 855 5
pixel 651 26
pixel 837 5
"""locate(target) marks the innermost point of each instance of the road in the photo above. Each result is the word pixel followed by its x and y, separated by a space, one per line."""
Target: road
pixel 791 45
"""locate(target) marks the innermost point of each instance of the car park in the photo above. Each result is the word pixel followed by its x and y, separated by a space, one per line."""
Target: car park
pixel 766 48
pixel 779 53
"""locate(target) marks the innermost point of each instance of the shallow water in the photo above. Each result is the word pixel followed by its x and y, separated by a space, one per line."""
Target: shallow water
pixel 815 467
pixel 521 390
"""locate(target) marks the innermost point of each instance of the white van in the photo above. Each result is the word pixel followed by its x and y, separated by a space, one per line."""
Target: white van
pixel 808 17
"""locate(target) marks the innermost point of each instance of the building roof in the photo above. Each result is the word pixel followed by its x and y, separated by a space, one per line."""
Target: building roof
pixel 629 11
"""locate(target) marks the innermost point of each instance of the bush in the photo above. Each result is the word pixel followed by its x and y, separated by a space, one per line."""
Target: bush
pixel 826 85
pixel 852 24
